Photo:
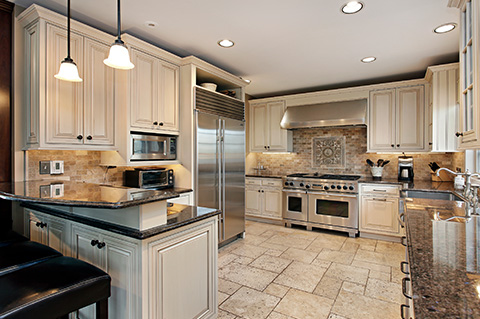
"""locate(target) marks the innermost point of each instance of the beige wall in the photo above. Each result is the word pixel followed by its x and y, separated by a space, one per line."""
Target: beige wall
pixel 356 147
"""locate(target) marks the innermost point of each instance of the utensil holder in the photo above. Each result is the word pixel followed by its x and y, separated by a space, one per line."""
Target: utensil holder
pixel 377 171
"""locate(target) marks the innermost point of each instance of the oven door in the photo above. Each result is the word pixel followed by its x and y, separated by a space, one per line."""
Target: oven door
pixel 333 209
pixel 295 205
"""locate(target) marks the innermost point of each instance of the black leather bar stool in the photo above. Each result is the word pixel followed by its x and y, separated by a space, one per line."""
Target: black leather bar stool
pixel 52 289
pixel 23 254
pixel 10 237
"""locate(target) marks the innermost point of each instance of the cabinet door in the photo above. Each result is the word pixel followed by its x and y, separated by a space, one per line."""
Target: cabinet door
pixel 99 102
pixel 379 215
pixel 184 268
pixel 120 261
pixel 276 136
pixel 168 97
pixel 64 107
pixel 58 235
pixel 273 203
pixel 410 123
pixel 35 231
pixel 258 122
pixel 253 200
pixel 381 128
pixel 144 90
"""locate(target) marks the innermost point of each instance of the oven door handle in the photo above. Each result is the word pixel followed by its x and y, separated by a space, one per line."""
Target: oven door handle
pixel 330 195
pixel 291 191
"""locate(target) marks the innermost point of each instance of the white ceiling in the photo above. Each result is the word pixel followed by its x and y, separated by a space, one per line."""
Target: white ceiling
pixel 287 46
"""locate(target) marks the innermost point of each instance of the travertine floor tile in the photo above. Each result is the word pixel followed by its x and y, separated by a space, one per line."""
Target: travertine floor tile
pixel 274 252
pixel 334 316
pixel 301 255
pixel 222 297
pixel 277 315
pixel 384 290
pixel 355 306
pixel 254 239
pixel 248 276
pixel 397 275
pixel 227 287
pixel 276 290
pixel 364 243
pixel 225 259
pixel 348 273
pixel 379 275
pixel 225 315
pixel 271 246
pixel 386 247
pixel 350 247
pixel 244 260
pixel 321 263
pixel 327 241
pixel 353 287
pixel 271 263
pixel 336 256
pixel 251 304
pixel 328 287
pixel 301 276
pixel 249 251
pixel 391 260
pixel 289 241
pixel 371 266
pixel 302 305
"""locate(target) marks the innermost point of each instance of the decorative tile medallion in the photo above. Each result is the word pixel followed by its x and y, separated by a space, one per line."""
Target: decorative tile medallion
pixel 329 152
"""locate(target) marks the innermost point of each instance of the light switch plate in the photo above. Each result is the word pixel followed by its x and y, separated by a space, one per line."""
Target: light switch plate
pixel 56 167
pixel 44 167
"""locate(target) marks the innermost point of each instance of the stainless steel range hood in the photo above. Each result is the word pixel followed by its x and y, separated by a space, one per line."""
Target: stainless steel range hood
pixel 343 113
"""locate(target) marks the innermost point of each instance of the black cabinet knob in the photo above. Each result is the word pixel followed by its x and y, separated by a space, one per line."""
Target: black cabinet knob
pixel 263 191
pixel 398 145
pixel 259 191
pixel 268 146
pixel 393 145
pixel 79 137
pixel 161 123
pixel 265 147
pixel 100 245
pixel 89 137
pixel 155 123
pixel 458 134
pixel 38 224
pixel 94 242
pixel 430 143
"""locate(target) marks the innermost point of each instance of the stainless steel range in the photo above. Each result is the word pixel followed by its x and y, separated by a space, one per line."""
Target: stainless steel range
pixel 323 201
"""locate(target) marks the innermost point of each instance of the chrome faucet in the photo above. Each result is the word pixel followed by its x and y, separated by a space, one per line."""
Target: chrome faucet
pixel 467 174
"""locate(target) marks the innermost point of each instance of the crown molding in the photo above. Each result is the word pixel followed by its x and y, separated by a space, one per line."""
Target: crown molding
pixel 456 3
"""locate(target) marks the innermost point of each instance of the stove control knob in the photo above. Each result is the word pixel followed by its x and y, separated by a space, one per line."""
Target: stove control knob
pixel 332 187
pixel 286 184
pixel 339 187
pixel 351 188
pixel 345 187
pixel 301 184
pixel 307 186
pixel 326 188
pixel 291 183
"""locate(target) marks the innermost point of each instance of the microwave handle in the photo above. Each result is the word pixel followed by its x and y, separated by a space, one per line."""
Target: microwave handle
pixel 165 147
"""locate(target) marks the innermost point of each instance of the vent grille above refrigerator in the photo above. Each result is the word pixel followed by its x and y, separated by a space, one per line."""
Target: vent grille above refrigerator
pixel 214 103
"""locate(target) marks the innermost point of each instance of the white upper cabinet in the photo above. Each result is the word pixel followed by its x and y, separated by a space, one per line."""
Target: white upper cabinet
pixel 397 119
pixel 266 135
pixel 443 110
pixel 154 92
pixel 61 114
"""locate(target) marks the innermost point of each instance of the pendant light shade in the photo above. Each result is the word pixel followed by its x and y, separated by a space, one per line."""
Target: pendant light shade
pixel 119 57
pixel 68 69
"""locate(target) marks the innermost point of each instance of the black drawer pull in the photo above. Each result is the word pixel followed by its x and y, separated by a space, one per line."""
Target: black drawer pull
pixel 402 268
pixel 404 287
pixel 79 137
pixel 100 245
pixel 404 241
pixel 402 311
pixel 94 242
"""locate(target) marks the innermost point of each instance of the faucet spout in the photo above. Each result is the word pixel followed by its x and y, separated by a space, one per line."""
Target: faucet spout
pixel 445 169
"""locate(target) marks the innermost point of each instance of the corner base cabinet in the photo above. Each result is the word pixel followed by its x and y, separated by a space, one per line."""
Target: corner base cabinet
pixel 170 275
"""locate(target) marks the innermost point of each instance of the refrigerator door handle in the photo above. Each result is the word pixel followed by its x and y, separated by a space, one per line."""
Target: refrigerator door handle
pixel 220 177
pixel 222 143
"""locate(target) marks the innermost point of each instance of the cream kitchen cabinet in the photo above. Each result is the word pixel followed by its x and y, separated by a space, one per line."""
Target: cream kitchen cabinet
pixel 154 92
pixel 397 119
pixel 443 107
pixel 61 114
pixel 379 210
pixel 47 230
pixel 263 198
pixel 266 135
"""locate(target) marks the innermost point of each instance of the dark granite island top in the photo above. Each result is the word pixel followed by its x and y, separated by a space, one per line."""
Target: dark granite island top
pixel 444 259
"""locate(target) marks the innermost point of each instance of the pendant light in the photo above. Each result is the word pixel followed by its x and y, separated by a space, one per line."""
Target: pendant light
pixel 118 57
pixel 68 69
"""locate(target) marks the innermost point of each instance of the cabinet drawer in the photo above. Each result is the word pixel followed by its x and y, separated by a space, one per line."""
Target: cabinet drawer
pixel 272 182
pixel 253 181
pixel 391 190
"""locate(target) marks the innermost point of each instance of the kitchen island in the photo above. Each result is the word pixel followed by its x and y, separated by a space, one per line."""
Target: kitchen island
pixel 162 257
pixel 444 259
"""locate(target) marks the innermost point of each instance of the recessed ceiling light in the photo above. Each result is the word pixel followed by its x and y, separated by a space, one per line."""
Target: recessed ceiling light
pixel 444 28
pixel 226 43
pixel 369 59
pixel 151 24
pixel 352 7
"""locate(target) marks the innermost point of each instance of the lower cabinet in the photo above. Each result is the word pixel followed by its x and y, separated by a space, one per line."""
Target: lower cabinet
pixel 184 199
pixel 170 275
pixel 379 210
pixel 263 198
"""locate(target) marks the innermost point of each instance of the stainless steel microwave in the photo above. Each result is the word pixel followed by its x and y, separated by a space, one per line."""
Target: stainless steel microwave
pixel 148 147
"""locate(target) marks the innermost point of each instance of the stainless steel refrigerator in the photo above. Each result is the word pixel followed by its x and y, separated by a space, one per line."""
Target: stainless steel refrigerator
pixel 220 170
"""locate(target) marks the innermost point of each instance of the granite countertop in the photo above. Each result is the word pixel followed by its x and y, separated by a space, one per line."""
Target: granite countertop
pixel 77 194
pixel 444 259
pixel 177 216
pixel 264 176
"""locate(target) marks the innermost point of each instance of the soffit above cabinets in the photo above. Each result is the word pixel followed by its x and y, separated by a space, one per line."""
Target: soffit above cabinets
pixel 289 46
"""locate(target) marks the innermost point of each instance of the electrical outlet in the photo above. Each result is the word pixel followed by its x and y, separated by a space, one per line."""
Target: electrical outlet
pixel 44 167
pixel 56 167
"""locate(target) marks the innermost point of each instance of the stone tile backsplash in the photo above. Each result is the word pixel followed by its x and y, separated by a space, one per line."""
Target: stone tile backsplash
pixel 301 160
